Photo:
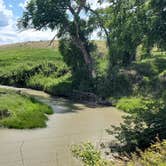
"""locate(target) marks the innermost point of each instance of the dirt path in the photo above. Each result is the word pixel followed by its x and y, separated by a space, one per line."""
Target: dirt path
pixel 72 123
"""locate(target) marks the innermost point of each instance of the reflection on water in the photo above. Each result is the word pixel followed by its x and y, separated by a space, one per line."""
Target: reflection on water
pixel 59 105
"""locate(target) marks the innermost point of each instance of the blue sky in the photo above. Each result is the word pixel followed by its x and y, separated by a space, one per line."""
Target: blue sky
pixel 10 11
pixel 15 6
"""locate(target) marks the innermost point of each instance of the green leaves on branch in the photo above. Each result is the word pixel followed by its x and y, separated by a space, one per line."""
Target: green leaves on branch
pixel 89 155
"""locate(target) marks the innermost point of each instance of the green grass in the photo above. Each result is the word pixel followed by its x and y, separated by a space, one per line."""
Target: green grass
pixel 137 104
pixel 22 112
pixel 44 69
pixel 130 105
pixel 38 68
pixel 27 65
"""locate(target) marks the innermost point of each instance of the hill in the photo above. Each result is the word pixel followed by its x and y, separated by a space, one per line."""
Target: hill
pixel 33 65
pixel 37 65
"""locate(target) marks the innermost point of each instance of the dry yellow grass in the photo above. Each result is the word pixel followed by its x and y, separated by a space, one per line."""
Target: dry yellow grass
pixel 33 44
pixel 101 45
pixel 46 44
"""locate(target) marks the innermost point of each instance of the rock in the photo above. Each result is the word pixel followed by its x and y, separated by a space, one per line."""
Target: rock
pixel 102 145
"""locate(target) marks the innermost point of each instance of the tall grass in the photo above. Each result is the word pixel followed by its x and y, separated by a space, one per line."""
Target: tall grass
pixel 21 111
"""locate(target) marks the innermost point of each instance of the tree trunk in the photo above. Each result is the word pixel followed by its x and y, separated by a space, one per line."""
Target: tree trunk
pixel 87 58
pixel 77 40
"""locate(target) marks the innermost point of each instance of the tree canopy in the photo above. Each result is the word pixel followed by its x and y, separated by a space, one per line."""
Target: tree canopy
pixel 126 24
pixel 68 17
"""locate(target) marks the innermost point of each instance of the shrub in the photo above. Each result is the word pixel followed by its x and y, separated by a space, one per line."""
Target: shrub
pixel 162 77
pixel 63 89
pixel 146 68
pixel 89 155
pixel 141 128
pixel 130 105
pixel 119 83
pixel 160 63
pixel 135 104
pixel 155 155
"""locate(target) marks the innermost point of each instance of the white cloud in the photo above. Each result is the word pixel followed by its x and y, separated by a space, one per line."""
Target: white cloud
pixel 5 15
pixel 23 4
pixel 95 4
pixel 11 6
pixel 10 34
pixel 33 35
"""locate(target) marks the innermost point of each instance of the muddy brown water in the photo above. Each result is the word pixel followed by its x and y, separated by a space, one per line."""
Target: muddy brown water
pixel 72 123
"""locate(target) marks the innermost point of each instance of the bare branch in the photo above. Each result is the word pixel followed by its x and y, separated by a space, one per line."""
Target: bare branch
pixel 50 43
pixel 101 24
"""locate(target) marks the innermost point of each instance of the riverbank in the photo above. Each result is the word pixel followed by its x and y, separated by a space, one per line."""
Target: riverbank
pixel 20 111
pixel 72 123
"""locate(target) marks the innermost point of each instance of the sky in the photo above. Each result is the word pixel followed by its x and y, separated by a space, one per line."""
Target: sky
pixel 10 12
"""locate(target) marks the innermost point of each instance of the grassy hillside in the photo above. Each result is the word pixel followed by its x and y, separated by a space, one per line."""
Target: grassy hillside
pixel 21 112
pixel 39 68
pixel 38 65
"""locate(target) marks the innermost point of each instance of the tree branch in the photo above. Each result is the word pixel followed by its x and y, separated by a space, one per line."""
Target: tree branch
pixel 50 43
pixel 101 24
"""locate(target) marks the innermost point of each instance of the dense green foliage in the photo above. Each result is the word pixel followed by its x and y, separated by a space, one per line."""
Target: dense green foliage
pixel 131 23
pixel 74 58
pixel 131 105
pixel 132 73
pixel 65 17
pixel 144 77
pixel 142 127
pixel 21 112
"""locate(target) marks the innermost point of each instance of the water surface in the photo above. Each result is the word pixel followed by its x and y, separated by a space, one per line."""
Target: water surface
pixel 71 123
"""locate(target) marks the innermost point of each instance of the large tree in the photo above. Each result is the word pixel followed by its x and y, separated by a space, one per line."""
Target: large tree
pixel 156 22
pixel 68 17
pixel 131 23
pixel 124 20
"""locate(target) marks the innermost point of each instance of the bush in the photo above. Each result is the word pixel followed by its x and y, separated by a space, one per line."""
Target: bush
pixel 146 68
pixel 153 156
pixel 135 104
pixel 141 128
pixel 162 77
pixel 160 63
pixel 63 89
pixel 130 105
pixel 89 155
pixel 119 83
